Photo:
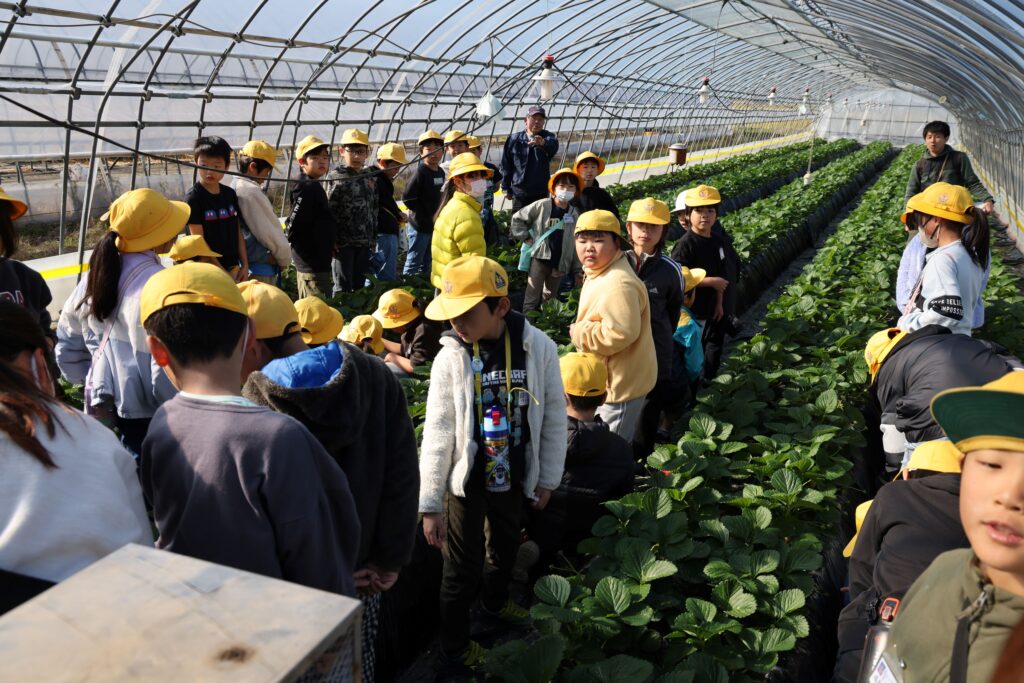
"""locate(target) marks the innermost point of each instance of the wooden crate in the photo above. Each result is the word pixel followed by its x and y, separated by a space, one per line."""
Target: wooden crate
pixel 142 614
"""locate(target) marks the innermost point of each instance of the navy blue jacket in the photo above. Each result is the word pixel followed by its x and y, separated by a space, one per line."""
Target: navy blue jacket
pixel 524 169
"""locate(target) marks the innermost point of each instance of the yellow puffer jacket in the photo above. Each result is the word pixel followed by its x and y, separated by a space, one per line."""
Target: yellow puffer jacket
pixel 458 231
pixel 614 322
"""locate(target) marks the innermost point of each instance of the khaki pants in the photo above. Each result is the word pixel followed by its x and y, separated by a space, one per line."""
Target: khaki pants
pixel 313 284
pixel 542 283
pixel 265 279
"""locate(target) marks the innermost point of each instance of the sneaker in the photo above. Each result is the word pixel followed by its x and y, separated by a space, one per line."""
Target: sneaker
pixel 463 666
pixel 526 557
pixel 511 614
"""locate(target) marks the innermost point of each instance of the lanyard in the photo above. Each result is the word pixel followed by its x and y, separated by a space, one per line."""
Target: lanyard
pixel 478 368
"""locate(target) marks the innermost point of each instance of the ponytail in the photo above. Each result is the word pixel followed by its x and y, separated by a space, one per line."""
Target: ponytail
pixel 975 237
pixel 22 403
pixel 446 196
pixel 104 277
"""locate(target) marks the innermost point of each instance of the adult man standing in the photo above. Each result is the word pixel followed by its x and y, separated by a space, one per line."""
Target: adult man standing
pixel 526 161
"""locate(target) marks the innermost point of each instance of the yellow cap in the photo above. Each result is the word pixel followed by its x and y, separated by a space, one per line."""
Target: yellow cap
pixel 391 152
pixel 859 516
pixel 18 207
pixel 943 200
pixel 937 456
pixel 270 309
pixel 260 149
pixel 308 144
pixel 553 180
pixel 428 136
pixel 467 162
pixel 702 195
pixel 589 155
pixel 473 142
pixel 985 417
pixel 396 307
pixel 693 277
pixel 649 210
pixel 189 247
pixel 320 323
pixel 144 219
pixel 879 346
pixel 190 283
pixel 583 374
pixel 598 220
pixel 455 136
pixel 361 328
pixel 354 136
pixel 465 282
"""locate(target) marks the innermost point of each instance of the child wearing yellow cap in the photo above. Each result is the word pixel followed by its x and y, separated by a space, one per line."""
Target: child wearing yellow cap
pixel 354 201
pixel 231 482
pixel 954 275
pixel 614 321
pixel 956 618
pixel 277 331
pixel 707 246
pixel 458 229
pixel 193 248
pixel 545 228
pixel 266 245
pixel 646 225
pixel 687 356
pixel 400 312
pixel 422 196
pixel 311 227
pixel 356 408
pixel 592 196
pixel 390 160
pixel 18 282
pixel 598 465
pixel 100 341
pixel 911 522
pixel 492 231
pixel 214 207
pixel 494 436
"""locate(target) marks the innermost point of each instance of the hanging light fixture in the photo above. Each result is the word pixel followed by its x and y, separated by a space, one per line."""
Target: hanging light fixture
pixel 546 79
pixel 702 91
pixel 803 103
pixel 771 96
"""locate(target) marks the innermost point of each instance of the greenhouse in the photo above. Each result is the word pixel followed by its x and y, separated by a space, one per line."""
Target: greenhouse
pixel 615 341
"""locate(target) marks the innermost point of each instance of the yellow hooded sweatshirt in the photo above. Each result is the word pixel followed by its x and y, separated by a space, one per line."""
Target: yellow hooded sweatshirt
pixel 614 321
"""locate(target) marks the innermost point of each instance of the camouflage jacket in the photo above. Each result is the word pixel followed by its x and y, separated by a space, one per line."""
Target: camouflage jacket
pixel 353 199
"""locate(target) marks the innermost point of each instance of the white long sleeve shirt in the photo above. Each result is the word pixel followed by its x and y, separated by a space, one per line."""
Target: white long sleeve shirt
pixel 261 219
pixel 950 287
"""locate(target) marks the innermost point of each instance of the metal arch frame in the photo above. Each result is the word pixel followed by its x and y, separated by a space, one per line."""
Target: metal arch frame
pixel 91 179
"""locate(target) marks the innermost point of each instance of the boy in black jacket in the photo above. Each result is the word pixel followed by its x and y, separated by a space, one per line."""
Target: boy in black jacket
pixel 422 196
pixel 911 522
pixel 598 467
pixel 592 196
pixel 311 227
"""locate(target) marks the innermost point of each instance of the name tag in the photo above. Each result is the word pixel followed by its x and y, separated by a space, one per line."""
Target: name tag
pixel 882 673
pixel 721 253
pixel 439 181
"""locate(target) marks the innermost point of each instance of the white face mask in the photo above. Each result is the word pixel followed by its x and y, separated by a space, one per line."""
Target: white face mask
pixel 565 195
pixel 477 188
pixel 929 241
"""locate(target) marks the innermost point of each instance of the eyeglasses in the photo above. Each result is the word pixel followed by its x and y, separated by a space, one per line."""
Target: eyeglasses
pixel 359 150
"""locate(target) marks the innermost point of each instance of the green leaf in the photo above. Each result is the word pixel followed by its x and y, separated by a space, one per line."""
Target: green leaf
pixel 702 610
pixel 657 502
pixel 785 481
pixel 659 569
pixel 613 594
pixel 676 677
pixel 718 569
pixel 827 401
pixel 702 426
pixel 617 669
pixel 691 484
pixel 638 616
pixel 605 526
pixel 764 562
pixel 790 600
pixel 536 662
pixel 760 516
pixel 730 447
pixel 802 560
pixel 542 611
pixel 775 640
pixel 741 604
pixel 715 528
pixel 554 590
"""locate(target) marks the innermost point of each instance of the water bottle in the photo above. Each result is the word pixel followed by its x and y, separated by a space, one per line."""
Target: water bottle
pixel 872 668
pixel 496 464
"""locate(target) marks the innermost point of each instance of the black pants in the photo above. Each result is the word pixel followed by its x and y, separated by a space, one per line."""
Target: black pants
pixel 479 522
pixel 520 202
pixel 351 266
pixel 647 433
pixel 713 339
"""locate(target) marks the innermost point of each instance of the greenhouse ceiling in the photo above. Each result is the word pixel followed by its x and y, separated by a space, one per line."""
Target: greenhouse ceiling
pixel 245 62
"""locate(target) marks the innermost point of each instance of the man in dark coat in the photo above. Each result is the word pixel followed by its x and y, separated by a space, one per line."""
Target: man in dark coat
pixel 526 161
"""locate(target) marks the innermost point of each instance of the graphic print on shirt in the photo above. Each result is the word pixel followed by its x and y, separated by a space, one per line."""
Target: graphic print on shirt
pixel 495 391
